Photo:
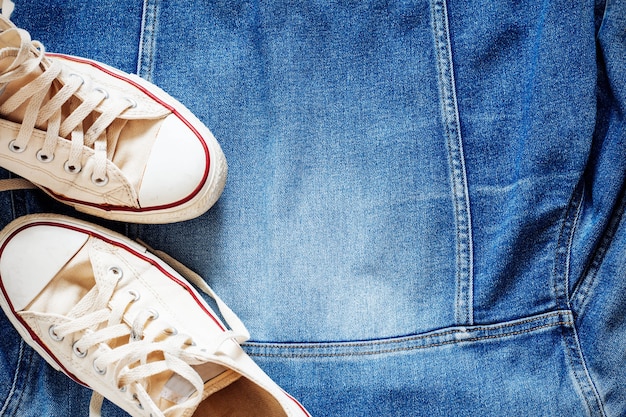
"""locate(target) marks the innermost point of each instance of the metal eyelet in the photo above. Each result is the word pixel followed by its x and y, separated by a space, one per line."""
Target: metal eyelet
pixel 53 334
pixel 16 149
pixel 79 353
pixel 172 331
pixel 124 388
pixel 98 370
pixel 42 157
pixel 103 91
pixel 71 169
pixel 82 80
pixel 135 294
pixel 117 272
pixel 100 182
pixel 153 314
pixel 133 103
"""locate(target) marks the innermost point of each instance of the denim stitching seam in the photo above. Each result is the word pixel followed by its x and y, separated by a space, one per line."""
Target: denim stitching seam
pixel 451 121
pixel 575 223
pixel 562 256
pixel 413 348
pixel 13 203
pixel 580 372
pixel 561 280
pixel 541 322
pixel 29 360
pixel 584 288
pixel 147 41
pixel 9 397
pixel 426 336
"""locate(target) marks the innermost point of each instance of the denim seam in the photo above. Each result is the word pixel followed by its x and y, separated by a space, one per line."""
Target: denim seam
pixel 28 359
pixel 431 334
pixel 147 40
pixel 410 348
pixel 13 205
pixel 580 372
pixel 576 223
pixel 458 176
pixel 564 319
pixel 562 256
pixel 13 389
pixel 584 288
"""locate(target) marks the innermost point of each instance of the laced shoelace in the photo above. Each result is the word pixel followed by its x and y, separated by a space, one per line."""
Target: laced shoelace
pixel 45 96
pixel 99 317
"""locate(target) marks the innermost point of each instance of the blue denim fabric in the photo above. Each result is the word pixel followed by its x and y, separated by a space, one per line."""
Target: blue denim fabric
pixel 423 215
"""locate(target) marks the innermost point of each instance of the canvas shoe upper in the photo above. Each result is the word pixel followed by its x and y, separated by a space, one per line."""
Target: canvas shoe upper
pixel 116 318
pixel 106 142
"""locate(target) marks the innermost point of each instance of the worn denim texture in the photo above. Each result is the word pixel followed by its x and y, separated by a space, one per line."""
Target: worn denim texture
pixel 423 215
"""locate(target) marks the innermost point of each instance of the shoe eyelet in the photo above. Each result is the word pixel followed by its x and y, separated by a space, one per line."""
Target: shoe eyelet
pixel 16 149
pixel 79 353
pixel 98 370
pixel 42 157
pixel 135 294
pixel 124 388
pixel 103 91
pixel 153 314
pixel 133 103
pixel 82 80
pixel 71 169
pixel 100 182
pixel 53 335
pixel 117 272
pixel 172 331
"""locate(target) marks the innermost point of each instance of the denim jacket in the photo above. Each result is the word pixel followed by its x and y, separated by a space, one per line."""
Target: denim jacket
pixel 423 215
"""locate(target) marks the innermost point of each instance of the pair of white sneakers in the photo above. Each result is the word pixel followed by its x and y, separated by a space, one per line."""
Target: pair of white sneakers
pixel 108 312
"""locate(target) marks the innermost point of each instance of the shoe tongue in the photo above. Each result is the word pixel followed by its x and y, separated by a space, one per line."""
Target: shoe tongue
pixel 177 389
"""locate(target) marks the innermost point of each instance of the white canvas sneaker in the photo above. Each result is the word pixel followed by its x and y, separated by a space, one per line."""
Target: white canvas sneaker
pixel 116 318
pixel 106 142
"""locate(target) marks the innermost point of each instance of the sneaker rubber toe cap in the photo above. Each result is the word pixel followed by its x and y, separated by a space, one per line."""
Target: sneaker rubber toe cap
pixel 177 167
pixel 39 253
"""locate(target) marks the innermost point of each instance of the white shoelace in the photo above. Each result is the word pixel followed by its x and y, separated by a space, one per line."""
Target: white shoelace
pixel 128 362
pixel 44 98
pixel 98 323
